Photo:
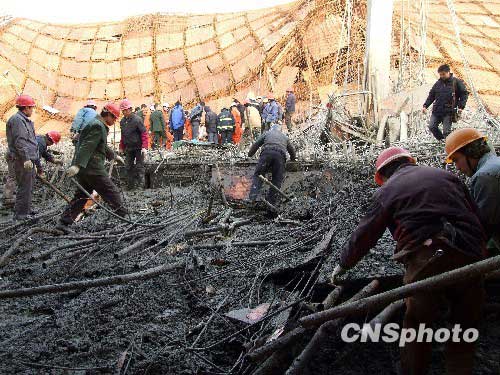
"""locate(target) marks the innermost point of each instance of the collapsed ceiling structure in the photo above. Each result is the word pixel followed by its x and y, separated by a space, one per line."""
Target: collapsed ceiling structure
pixel 216 57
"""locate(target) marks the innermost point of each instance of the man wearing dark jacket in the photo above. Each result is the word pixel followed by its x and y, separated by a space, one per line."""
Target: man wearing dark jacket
pixel 289 108
pixel 22 153
pixel 435 223
pixel 134 143
pixel 88 166
pixel 449 96
pixel 211 125
pixel 195 117
pixel 44 142
pixel 157 127
pixel 275 145
pixel 225 126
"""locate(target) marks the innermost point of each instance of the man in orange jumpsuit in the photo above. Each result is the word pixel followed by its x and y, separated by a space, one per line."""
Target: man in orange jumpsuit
pixel 238 131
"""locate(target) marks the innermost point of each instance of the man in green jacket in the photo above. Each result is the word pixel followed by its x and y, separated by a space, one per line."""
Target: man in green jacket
pixel 88 166
pixel 140 112
pixel 157 127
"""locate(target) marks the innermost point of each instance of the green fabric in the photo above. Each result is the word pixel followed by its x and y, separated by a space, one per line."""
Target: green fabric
pixel 493 248
pixel 157 121
pixel 140 113
pixel 92 150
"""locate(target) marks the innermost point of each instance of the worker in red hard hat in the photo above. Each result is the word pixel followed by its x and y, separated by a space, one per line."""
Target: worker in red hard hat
pixel 88 165
pixel 22 153
pixel 44 142
pixel 82 118
pixel 434 221
pixel 289 108
pixel 134 143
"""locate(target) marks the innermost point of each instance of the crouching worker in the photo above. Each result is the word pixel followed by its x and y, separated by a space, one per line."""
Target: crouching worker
pixel 434 221
pixel 275 146
pixel 472 155
pixel 44 142
pixel 88 166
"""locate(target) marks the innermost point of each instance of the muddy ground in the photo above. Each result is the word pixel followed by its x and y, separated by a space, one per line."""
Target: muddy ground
pixel 175 323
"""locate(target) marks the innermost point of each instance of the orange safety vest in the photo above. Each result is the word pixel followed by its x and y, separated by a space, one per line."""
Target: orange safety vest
pixel 237 125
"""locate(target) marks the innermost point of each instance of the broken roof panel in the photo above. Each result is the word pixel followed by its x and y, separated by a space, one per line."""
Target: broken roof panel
pixel 169 41
pixel 113 51
pixel 199 34
pixel 99 50
pixel 136 46
pixel 198 52
pixel 75 69
pixel 170 59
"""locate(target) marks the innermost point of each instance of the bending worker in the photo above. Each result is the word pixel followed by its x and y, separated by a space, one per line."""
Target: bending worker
pixel 434 220
pixel 134 143
pixel 275 146
pixel 88 166
pixel 468 149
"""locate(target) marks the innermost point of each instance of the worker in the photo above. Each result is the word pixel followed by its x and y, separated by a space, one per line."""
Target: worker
pixel 176 121
pixel 134 143
pixel 472 155
pixel 253 117
pixel 44 142
pixel 168 133
pixel 449 96
pixel 275 145
pixel 157 127
pixel 241 108
pixel 238 131
pixel 141 111
pixel 188 129
pixel 270 113
pixel 434 221
pixel 88 166
pixel 195 118
pixel 289 108
pixel 82 118
pixel 225 126
pixel 211 124
pixel 22 153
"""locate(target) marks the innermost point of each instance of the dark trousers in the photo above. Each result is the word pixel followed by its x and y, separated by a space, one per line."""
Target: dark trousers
pixel 24 180
pixel 178 134
pixel 213 137
pixel 269 161
pixel 227 136
pixel 9 187
pixel 159 139
pixel 464 300
pixel 195 126
pixel 434 126
pixel 134 165
pixel 103 186
pixel 288 120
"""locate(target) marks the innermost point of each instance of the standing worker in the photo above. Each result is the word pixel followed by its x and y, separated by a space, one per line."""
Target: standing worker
pixel 275 145
pixel 433 219
pixel 195 117
pixel 22 153
pixel 141 111
pixel 225 126
pixel 449 96
pixel 157 127
pixel 82 118
pixel 270 113
pixel 176 121
pixel 472 155
pixel 211 125
pixel 88 166
pixel 237 123
pixel 289 108
pixel 134 143
pixel 253 119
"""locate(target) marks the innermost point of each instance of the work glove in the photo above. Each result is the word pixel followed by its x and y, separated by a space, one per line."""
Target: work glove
pixel 337 272
pixel 72 171
pixel 28 165
pixel 119 159
pixel 424 110
pixel 144 152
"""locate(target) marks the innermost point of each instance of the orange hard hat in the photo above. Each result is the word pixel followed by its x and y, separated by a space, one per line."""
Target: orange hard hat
pixel 54 136
pixel 125 104
pixel 460 138
pixel 113 109
pixel 25 101
pixel 388 156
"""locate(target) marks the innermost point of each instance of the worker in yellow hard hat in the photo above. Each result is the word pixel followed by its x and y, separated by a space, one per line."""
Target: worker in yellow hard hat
pixel 472 155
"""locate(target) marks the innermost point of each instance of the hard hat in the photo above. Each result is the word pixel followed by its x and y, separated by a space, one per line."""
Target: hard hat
pixel 25 101
pixel 246 101
pixel 234 104
pixel 290 89
pixel 460 138
pixel 54 136
pixel 125 104
pixel 270 96
pixel 152 107
pixel 388 156
pixel 266 100
pixel 90 103
pixel 113 109
pixel 166 105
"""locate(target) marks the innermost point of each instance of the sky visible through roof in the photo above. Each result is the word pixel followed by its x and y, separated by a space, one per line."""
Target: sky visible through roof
pixel 58 11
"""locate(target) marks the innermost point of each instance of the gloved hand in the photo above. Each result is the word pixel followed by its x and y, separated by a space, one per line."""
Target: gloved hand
pixel 28 165
pixel 119 159
pixel 337 272
pixel 424 110
pixel 72 171
pixel 144 152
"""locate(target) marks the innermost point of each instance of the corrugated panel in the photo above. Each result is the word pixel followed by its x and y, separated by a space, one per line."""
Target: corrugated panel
pixel 286 79
pixel 132 87
pixel 84 53
pixel 15 75
pixel 193 21
pixel 319 37
pixel 166 80
pixel 210 65
pixel 99 50
pixel 239 49
pixel 136 46
pixel 63 104
pixel 23 32
pixel 212 84
pixel 181 75
pixel 17 58
pixel 82 33
pixel 97 89
pixel 169 41
pixel 147 85
pixel 76 69
pixel 81 88
pixel 38 92
pixel 66 86
pixel 70 49
pixel 485 80
pixel 199 35
pixel 130 68
pixel 57 31
pixel 480 20
pixel 229 24
pixel 108 31
pixel 98 70
pixel 144 65
pixel 114 51
pixel 226 40
pixel 113 70
pixel 18 43
pixel 170 59
pixel 240 70
pixel 198 52
pixel 39 73
pixel 49 44
pixel 114 90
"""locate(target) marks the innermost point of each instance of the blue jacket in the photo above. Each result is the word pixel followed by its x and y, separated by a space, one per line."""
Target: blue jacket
pixel 485 189
pixel 177 117
pixel 270 112
pixel 290 103
pixel 196 112
pixel 82 119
